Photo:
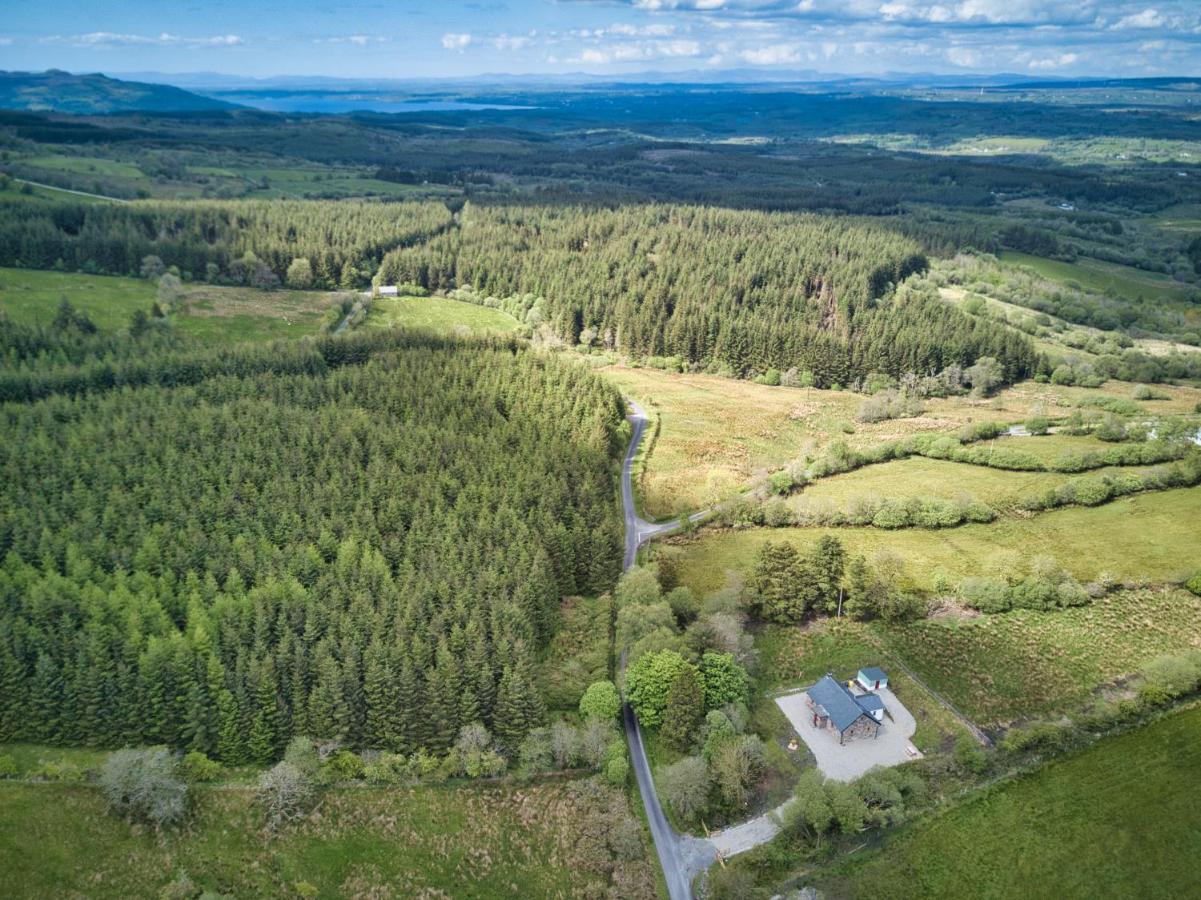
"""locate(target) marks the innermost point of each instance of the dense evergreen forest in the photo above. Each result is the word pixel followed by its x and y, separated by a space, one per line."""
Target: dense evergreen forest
pixel 367 541
pixel 745 291
pixel 749 291
pixel 210 240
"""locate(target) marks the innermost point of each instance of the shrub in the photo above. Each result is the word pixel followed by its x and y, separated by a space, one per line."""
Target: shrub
pixel 302 753
pixel 8 766
pixel 196 767
pixel 989 595
pixel 286 793
pixel 145 785
pixel 1038 425
pixel 387 768
pixel 970 755
pixel 617 771
pixel 600 701
pixel 342 766
pixel 1194 584
pixel 1091 491
pixel 685 786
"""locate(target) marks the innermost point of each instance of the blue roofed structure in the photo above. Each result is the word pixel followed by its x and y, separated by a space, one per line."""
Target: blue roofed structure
pixel 835 707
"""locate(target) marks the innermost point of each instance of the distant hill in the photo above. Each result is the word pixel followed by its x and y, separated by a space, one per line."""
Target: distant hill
pixel 59 91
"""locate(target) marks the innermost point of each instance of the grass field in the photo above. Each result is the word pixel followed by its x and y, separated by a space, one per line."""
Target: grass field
pixel 920 478
pixel 439 314
pixel 1114 820
pixel 1095 275
pixel 544 840
pixel 1030 663
pixel 717 432
pixel 1157 534
pixel 1023 664
pixel 217 314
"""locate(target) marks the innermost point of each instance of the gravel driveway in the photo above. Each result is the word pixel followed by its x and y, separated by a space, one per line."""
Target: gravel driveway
pixel 846 762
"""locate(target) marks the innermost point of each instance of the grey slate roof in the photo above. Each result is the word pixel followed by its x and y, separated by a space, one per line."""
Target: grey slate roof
pixel 838 702
pixel 870 702
pixel 871 673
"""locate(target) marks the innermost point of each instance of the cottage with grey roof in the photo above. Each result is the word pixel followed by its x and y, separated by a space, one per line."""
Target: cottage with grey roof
pixel 833 706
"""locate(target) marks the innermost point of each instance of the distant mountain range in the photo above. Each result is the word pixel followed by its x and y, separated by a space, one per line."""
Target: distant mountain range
pixel 58 91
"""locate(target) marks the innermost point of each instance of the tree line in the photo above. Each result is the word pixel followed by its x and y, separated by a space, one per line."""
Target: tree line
pixel 370 549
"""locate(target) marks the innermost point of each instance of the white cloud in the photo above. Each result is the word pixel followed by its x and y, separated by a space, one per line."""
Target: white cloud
pixel 456 41
pixel 963 56
pixel 1053 62
pixel 772 55
pixel 102 39
pixel 6 41
pixel 511 41
pixel 1148 18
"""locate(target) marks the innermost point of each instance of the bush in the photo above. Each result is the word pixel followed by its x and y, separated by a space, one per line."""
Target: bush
pixel 286 793
pixel 387 768
pixel 685 786
pixel 196 767
pixel 145 785
pixel 8 766
pixel 970 755
pixel 600 701
pixel 1194 584
pixel 617 771
pixel 1038 424
pixel 302 753
pixel 989 595
pixel 342 766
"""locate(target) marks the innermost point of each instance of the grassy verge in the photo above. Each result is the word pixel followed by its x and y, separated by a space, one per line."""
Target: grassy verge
pixel 551 839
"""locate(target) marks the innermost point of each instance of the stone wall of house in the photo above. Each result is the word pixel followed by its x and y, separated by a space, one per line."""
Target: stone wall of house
pixel 863 727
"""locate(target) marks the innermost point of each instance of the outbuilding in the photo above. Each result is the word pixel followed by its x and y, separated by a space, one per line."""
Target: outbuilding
pixel 872 679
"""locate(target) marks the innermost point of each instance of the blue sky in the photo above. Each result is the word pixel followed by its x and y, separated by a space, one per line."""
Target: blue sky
pixel 404 38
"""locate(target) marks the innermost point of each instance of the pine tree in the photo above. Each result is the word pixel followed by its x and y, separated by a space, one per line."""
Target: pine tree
pixel 684 711
pixel 231 738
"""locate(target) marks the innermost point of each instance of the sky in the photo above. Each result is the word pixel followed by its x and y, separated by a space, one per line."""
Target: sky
pixel 457 38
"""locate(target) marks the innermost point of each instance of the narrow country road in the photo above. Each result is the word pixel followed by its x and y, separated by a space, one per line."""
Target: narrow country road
pixel 51 187
pixel 681 856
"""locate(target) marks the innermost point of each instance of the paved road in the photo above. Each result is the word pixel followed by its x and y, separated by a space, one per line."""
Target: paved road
pixel 681 857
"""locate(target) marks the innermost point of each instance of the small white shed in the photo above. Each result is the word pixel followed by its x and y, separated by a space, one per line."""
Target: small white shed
pixel 872 679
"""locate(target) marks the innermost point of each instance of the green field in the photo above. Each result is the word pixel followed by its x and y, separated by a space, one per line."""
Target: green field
pixel 216 314
pixel 438 314
pixel 1023 664
pixel 1115 820
pixel 86 165
pixel 1095 275
pixel 538 840
pixel 1157 534
pixel 920 478
pixel 1030 663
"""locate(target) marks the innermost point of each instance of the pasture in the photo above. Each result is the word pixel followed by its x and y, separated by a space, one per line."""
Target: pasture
pixel 1113 820
pixel 919 478
pixel 1157 534
pixel 215 314
pixel 439 314
pixel 538 840
pixel 1102 277
pixel 718 433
